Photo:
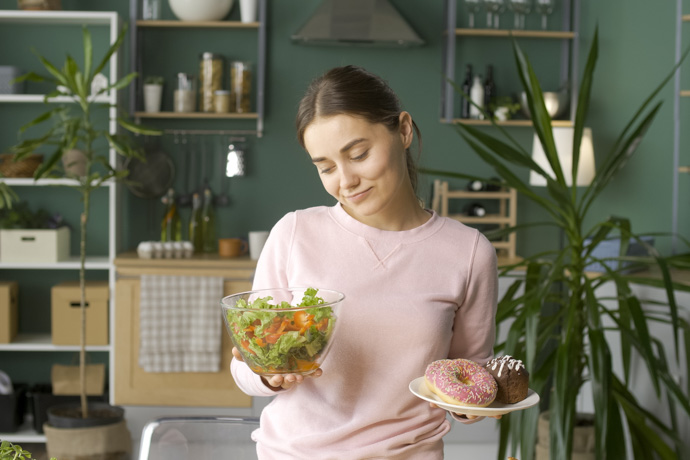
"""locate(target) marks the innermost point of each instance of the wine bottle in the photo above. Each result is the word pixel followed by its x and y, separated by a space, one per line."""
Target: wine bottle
pixel 171 225
pixel 477 96
pixel 466 86
pixel 195 233
pixel 208 223
pixel 489 89
pixel 476 186
pixel 493 185
pixel 476 210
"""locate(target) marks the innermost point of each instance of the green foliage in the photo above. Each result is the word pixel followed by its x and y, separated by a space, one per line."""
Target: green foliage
pixel 21 216
pixel 154 80
pixel 9 451
pixel 558 321
pixel 74 127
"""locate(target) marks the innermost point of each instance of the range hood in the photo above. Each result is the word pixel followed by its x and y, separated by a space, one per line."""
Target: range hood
pixel 357 22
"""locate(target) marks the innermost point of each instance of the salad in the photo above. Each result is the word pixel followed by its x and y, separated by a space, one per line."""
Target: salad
pixel 277 341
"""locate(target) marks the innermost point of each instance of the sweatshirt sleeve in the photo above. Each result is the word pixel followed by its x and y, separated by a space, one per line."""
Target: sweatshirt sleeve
pixel 271 272
pixel 475 321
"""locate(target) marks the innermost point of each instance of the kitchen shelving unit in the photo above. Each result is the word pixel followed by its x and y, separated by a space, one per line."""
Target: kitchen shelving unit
pixel 42 342
pixel 137 59
pixel 505 217
pixel 678 169
pixel 568 58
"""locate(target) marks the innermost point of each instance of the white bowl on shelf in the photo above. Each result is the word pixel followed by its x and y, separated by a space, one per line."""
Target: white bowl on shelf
pixel 201 10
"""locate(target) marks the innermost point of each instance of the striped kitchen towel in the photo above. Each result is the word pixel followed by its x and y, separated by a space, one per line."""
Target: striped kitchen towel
pixel 180 323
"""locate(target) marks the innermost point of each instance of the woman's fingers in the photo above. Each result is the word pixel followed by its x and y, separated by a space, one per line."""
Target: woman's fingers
pixel 236 354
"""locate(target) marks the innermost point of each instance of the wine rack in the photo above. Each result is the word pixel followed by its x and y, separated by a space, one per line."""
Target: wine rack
pixel 504 218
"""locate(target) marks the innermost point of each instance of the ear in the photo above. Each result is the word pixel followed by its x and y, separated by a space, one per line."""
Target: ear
pixel 406 129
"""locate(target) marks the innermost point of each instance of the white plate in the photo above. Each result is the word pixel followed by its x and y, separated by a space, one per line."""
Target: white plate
pixel 418 388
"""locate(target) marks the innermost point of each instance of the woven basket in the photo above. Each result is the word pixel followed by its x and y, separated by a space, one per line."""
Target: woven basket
pixel 22 168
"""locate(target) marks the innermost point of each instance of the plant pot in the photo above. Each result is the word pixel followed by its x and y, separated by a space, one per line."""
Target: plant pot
pixel 153 95
pixel 42 398
pixel 13 408
pixel 74 162
pixel 101 436
pixel 584 437
pixel 105 442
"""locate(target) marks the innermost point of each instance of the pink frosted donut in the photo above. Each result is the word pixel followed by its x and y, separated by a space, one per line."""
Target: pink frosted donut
pixel 461 381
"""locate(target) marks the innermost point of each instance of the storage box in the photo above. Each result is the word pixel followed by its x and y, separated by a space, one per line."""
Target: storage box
pixel 66 313
pixel 41 397
pixel 13 408
pixel 7 75
pixel 9 322
pixel 34 245
pixel 611 248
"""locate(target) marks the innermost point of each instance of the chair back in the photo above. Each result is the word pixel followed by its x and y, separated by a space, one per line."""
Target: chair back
pixel 195 437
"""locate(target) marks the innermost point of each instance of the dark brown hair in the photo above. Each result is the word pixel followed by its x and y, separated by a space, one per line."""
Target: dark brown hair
pixel 351 90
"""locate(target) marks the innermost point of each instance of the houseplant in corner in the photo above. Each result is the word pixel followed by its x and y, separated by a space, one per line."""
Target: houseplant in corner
pixel 75 127
pixel 558 320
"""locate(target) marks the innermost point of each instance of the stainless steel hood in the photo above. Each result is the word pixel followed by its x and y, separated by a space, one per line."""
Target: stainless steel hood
pixel 357 22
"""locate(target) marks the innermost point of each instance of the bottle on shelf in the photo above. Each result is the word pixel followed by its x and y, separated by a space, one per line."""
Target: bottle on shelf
pixel 195 232
pixel 476 186
pixel 171 226
pixel 208 223
pixel 466 87
pixel 476 210
pixel 477 96
pixel 489 89
pixel 493 185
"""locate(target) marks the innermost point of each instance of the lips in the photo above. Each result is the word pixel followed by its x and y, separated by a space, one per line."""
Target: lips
pixel 357 197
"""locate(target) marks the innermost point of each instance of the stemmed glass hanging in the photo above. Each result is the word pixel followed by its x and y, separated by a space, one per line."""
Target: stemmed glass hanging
pixel 545 8
pixel 520 9
pixel 493 9
pixel 473 6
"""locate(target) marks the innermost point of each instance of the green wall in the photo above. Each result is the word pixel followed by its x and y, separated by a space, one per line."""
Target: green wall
pixel 636 50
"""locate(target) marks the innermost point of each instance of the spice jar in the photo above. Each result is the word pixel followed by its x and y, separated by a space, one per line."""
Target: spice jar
pixel 240 86
pixel 210 79
pixel 185 93
pixel 221 101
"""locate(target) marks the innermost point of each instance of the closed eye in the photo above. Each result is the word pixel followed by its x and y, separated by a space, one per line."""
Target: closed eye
pixel 362 156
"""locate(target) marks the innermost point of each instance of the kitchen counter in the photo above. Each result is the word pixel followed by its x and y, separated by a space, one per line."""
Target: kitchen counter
pixel 130 264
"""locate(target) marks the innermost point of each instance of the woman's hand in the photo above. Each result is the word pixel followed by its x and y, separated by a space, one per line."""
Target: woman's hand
pixel 284 381
pixel 468 417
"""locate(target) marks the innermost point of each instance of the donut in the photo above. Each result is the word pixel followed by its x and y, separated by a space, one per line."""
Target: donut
pixel 511 378
pixel 461 382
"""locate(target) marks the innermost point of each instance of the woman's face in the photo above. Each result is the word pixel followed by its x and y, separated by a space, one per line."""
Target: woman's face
pixel 362 165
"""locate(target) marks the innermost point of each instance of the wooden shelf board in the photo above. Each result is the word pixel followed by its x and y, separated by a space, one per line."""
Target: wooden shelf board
pixel 38 98
pixel 685 93
pixel 684 169
pixel 200 115
pixel 43 342
pixel 478 195
pixel 553 34
pixel 686 18
pixel 487 219
pixel 92 263
pixel 511 123
pixel 199 24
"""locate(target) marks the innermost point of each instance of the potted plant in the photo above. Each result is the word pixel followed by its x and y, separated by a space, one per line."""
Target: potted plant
pixel 557 319
pixel 9 451
pixel 75 127
pixel 153 93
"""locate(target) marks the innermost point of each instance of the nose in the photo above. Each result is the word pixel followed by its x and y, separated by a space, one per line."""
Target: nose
pixel 348 178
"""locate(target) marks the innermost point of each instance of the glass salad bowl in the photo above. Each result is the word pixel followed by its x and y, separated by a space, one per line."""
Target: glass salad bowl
pixel 282 331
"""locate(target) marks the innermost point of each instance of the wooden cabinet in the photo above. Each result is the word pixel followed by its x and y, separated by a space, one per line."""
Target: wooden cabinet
pixel 134 386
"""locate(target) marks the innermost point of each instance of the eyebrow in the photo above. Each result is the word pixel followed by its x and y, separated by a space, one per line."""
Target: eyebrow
pixel 344 149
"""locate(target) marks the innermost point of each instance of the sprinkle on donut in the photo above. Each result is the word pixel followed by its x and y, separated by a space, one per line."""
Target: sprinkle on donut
pixel 461 382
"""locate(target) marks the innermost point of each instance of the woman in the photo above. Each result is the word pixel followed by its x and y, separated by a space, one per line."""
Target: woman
pixel 419 287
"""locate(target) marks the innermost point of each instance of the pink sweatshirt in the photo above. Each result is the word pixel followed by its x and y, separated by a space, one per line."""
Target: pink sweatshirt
pixel 412 297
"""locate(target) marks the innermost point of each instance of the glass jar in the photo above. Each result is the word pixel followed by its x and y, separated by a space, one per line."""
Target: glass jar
pixel 221 101
pixel 151 10
pixel 210 79
pixel 185 93
pixel 240 86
